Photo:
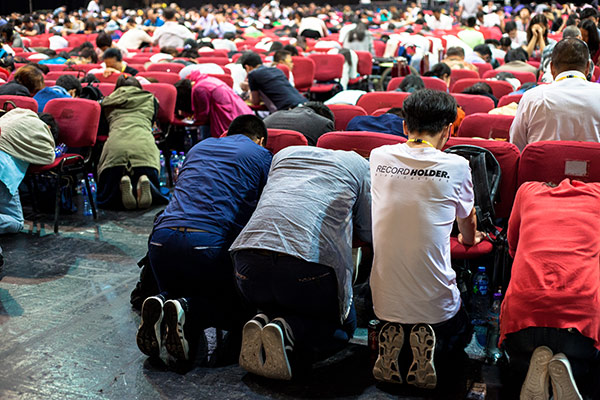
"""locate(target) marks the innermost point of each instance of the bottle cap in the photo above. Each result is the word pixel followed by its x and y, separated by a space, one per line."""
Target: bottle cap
pixel 481 268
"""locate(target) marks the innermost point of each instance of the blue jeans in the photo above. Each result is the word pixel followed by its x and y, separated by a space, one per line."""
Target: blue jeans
pixel 11 213
pixel 196 266
pixel 303 293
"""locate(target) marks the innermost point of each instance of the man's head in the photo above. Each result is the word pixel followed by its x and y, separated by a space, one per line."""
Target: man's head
pixel 251 126
pixel 103 41
pixel 437 12
pixel 484 52
pixel 283 57
pixel 589 13
pixel 113 58
pixel 515 55
pixel 572 31
pixel 471 22
pixel 568 55
pixel 505 43
pixel 70 83
pixel 456 52
pixel 169 14
pixel 429 113
pixel 291 49
pixel 320 108
pixel 511 29
pixel 251 61
pixel 152 15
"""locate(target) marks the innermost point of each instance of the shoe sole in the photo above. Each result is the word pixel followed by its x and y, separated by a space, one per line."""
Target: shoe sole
pixel 175 342
pixel 251 358
pixel 145 195
pixel 535 386
pixel 422 370
pixel 148 335
pixel 391 339
pixel 277 365
pixel 127 198
pixel 563 382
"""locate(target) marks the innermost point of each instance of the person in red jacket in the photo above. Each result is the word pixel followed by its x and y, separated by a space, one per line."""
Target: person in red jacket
pixel 550 317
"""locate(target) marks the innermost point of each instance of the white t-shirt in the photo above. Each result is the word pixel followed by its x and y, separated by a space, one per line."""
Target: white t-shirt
pixel 133 39
pixel 470 7
pixel 417 194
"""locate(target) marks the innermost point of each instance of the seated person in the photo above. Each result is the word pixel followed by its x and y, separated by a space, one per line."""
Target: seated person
pixel 455 59
pixel 284 57
pixel 482 89
pixel 516 60
pixel 312 119
pixel 67 86
pixel 24 139
pixel 28 80
pixel 413 284
pixel 130 155
pixel 293 260
pixel 113 59
pixel 271 83
pixel 441 71
pixel 550 318
pixel 390 122
pixel 217 190
pixel 410 84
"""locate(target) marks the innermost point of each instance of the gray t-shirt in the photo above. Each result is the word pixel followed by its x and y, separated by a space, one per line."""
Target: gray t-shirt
pixel 303 120
pixel 314 201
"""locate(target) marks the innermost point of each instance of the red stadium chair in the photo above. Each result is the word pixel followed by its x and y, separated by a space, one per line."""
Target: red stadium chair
pixel 106 88
pixel 84 67
pixel 457 74
pixel 553 161
pixel 509 98
pixel 486 126
pixel 596 74
pixel 304 73
pixel 161 77
pixel 279 139
pixel 364 67
pixel 54 75
pixel 429 81
pixel 214 60
pixel 225 78
pixel 49 83
pixel 472 103
pixel 483 68
pixel 215 53
pixel 523 77
pixel 56 67
pixel 20 101
pixel 329 67
pixel 137 67
pixel 78 121
pixel 165 67
pixel 361 142
pixel 375 100
pixel 344 113
pixel 379 48
pixel 166 95
pixel 380 111
pixel 284 68
pixel 112 78
pixel 499 88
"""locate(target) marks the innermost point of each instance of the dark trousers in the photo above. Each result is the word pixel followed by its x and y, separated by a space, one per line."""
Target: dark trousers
pixel 196 266
pixel 303 293
pixel 109 191
pixel 583 356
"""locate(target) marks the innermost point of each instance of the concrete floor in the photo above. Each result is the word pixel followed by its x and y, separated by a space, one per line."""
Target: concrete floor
pixel 67 330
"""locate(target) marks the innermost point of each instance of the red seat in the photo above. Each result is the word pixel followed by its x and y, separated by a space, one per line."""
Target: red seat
pixel 279 139
pixel 237 56
pixel 596 74
pixel 49 83
pixel 457 74
pixel 487 126
pixel 380 111
pixel 112 78
pixel 214 60
pixel 137 67
pixel 344 113
pixel 215 53
pixel 483 68
pixel 364 67
pixel 54 75
pixel 429 81
pixel 472 103
pixel 84 67
pixel 166 95
pixel 166 67
pixel 106 88
pixel 161 77
pixel 225 78
pixel 499 88
pixel 509 98
pixel 379 47
pixel 284 68
pixel 78 121
pixel 20 101
pixel 56 67
pixel 375 100
pixel 533 63
pixel 361 142
pixel 553 161
pixel 329 67
pixel 522 76
pixel 304 73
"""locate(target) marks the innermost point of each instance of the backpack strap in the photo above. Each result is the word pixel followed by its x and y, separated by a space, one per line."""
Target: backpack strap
pixel 483 200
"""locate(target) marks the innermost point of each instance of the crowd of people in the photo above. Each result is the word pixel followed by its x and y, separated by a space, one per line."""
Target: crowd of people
pixel 260 244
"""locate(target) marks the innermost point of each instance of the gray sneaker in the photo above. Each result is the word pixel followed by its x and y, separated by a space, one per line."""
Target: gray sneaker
pixel 251 354
pixel 278 342
pixel 391 339
pixel 422 371
pixel 149 337
pixel 536 384
pixel 561 376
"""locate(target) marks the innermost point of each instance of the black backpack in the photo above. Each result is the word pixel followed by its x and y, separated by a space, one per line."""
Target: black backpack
pixel 486 173
pixel 91 92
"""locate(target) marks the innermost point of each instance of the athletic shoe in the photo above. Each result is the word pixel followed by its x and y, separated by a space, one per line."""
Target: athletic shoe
pixel 561 375
pixel 391 339
pixel 148 337
pixel 278 341
pixel 422 371
pixel 251 355
pixel 127 198
pixel 535 386
pixel 176 341
pixel 144 194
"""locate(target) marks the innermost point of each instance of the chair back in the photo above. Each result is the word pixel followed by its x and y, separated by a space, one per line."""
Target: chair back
pixel 304 72
pixel 284 68
pixel 473 103
pixel 161 77
pixel 328 66
pixel 375 100
pixel 509 98
pixel 77 120
pixel 166 95
pixel 20 101
pixel 361 142
pixel 483 68
pixel 279 139
pixel 225 78
pixel 522 76
pixel 112 78
pixel 214 60
pixel 166 67
pixel 458 74
pixel 344 113
pixel 499 88
pixel 365 63
pixel 105 88
pixel 487 126
pixel 430 82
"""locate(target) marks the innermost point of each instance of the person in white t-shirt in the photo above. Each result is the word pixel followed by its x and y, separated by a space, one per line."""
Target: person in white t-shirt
pixel 418 191
pixel 134 37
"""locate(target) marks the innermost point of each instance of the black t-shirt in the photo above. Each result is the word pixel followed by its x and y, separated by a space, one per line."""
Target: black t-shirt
pixel 14 89
pixel 273 84
pixel 303 120
pixel 130 71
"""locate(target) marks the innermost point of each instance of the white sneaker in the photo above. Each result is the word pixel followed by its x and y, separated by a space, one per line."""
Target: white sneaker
pixel 251 354
pixel 278 341
pixel 535 386
pixel 422 370
pixel 127 197
pixel 561 375
pixel 391 339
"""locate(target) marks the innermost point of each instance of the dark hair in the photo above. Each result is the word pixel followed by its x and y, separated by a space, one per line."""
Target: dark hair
pixel 89 26
pixel 572 20
pixel 494 42
pixel 8 63
pixel 281 55
pixel 593 41
pixel 358 34
pixel 89 53
pixel 455 51
pixel 517 54
pixel 429 111
pixel 483 49
pixel 570 54
pixel 69 82
pixel 396 111
pixel 31 77
pixel 510 26
pixel 275 46
pixel 320 108
pixel 7 29
pixel 103 40
pixel 249 125
pixel 479 88
pixel 292 49
pixel 228 35
pixel 505 41
pixel 587 13
pixel 184 96
pixel 439 70
pixel 251 59
pixel 411 83
pixel 49 120
pixel 169 13
pixel 113 53
pixel 471 22
pixel 538 19
pixel 125 80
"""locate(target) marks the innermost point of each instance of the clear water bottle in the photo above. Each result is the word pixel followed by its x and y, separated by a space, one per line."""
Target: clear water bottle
pixel 162 177
pixel 480 303
pixel 60 150
pixel 493 352
pixel 93 187
pixel 174 166
pixel 87 208
pixel 180 162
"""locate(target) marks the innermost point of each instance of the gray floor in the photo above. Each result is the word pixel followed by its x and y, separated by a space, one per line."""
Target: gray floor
pixel 67 330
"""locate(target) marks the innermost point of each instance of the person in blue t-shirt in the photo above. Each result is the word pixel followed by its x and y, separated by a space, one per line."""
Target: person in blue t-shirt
pixel 217 191
pixel 390 122
pixel 154 20
pixel 67 86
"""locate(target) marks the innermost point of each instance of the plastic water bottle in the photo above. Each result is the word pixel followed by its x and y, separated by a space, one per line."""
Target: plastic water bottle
pixel 162 177
pixel 93 187
pixel 174 166
pixel 180 162
pixel 480 302
pixel 87 208
pixel 493 352
pixel 60 149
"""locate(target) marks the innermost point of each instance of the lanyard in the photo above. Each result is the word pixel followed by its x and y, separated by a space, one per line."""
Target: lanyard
pixel 419 141
pixel 571 76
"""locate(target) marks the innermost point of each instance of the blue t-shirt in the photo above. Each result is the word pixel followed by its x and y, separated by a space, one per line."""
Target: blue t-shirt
pixel 218 186
pixel 158 22
pixel 48 93
pixel 385 123
pixel 273 83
